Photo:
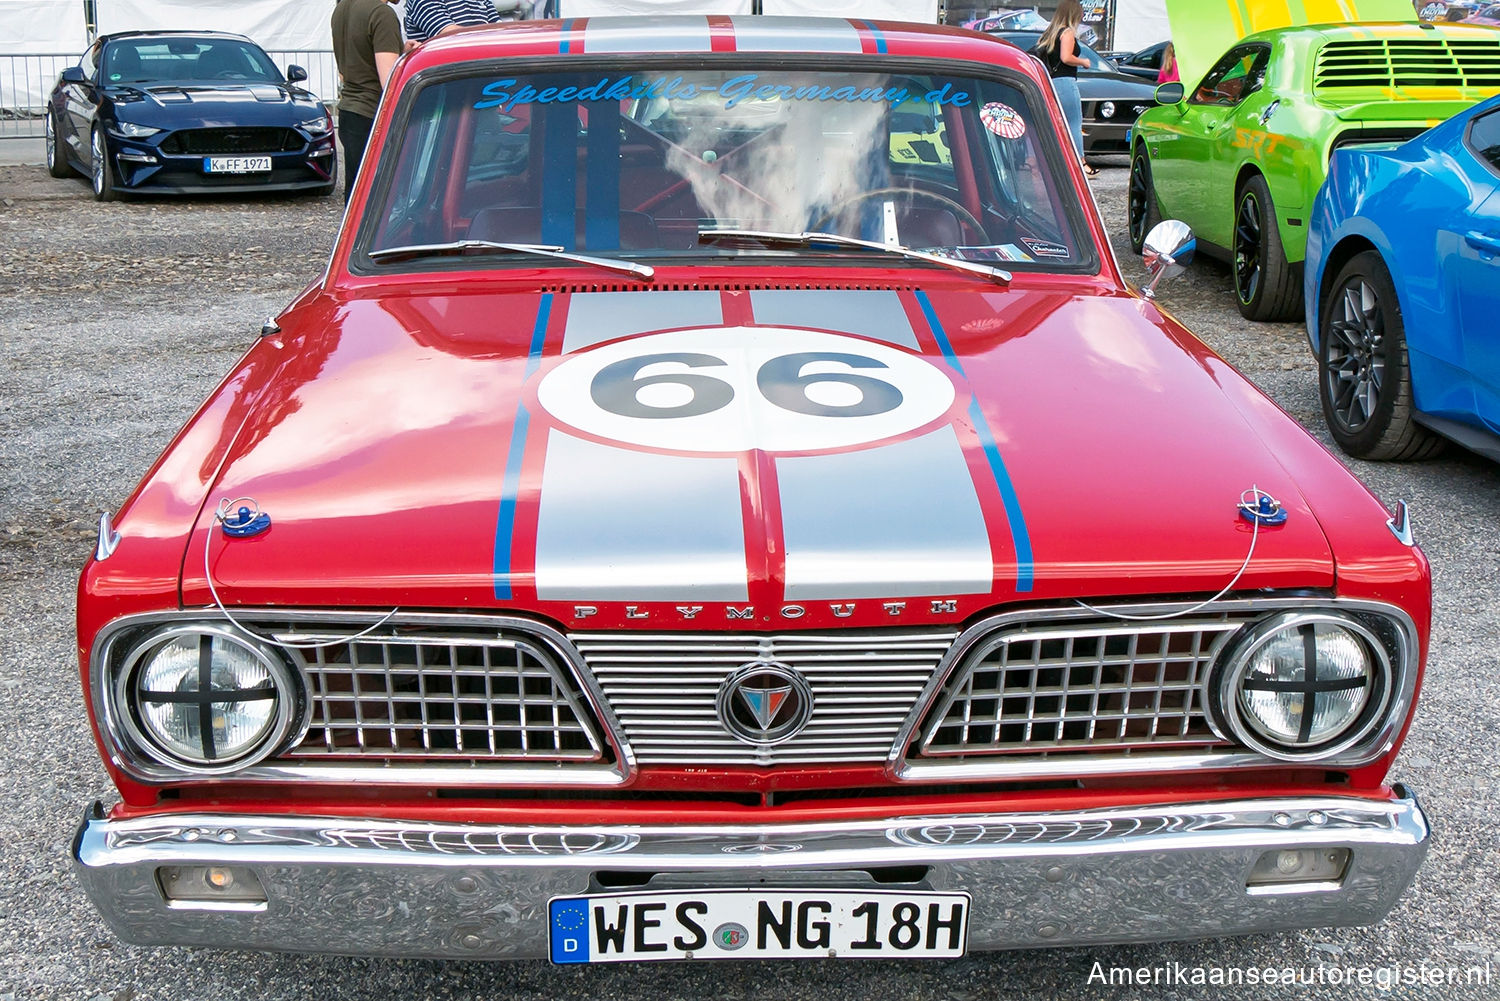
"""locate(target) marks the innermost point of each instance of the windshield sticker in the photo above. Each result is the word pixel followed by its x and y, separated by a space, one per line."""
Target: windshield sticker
pixel 506 94
pixel 1003 120
pixel 1046 248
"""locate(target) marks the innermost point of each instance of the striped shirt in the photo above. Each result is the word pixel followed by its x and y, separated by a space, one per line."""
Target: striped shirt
pixel 425 18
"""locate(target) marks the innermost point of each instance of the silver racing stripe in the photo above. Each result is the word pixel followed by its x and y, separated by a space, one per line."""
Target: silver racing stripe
pixel 595 317
pixel 877 314
pixel 793 34
pixel 902 520
pixel 621 525
pixel 682 33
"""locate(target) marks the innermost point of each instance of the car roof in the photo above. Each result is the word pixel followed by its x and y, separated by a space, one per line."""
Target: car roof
pixel 723 34
pixel 116 36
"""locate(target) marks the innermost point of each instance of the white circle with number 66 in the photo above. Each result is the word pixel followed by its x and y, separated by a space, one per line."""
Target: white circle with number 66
pixel 733 389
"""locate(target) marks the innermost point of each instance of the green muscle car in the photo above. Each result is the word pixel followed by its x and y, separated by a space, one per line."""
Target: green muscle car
pixel 1240 148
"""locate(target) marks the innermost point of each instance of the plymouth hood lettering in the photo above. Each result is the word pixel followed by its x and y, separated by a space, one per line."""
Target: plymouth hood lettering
pixel 766 449
pixel 1203 30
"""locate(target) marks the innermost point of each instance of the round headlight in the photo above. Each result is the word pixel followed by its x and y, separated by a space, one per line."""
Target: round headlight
pixel 203 698
pixel 1302 685
pixel 1107 109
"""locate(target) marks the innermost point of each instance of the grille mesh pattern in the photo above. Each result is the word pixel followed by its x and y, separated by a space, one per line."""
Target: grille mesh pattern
pixel 663 687
pixel 240 140
pixel 435 696
pixel 1413 62
pixel 1079 687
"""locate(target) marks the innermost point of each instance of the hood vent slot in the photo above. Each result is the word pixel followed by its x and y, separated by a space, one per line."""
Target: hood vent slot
pixel 1414 62
pixel 722 286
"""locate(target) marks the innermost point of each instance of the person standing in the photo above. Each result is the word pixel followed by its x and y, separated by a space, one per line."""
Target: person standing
pixel 1168 72
pixel 427 19
pixel 366 45
pixel 1058 50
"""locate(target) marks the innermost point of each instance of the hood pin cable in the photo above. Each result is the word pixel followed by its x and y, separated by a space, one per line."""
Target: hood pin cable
pixel 242 518
pixel 1255 506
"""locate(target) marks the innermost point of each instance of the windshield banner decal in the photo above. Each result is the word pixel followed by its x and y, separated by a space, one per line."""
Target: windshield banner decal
pixel 506 94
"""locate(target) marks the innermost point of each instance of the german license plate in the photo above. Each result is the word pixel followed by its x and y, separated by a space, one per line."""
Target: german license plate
pixel 757 924
pixel 236 164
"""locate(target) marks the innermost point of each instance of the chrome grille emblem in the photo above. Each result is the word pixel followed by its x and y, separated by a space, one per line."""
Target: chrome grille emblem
pixel 764 703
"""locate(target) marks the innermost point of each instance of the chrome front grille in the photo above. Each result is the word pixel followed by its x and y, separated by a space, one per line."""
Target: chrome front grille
pixel 1079 687
pixel 445 694
pixel 662 688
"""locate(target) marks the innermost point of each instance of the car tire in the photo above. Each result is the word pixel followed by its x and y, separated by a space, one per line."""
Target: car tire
pixel 1142 211
pixel 1364 378
pixel 100 175
pixel 1265 285
pixel 57 157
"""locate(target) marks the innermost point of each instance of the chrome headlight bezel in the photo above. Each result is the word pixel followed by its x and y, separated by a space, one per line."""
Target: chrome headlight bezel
pixel 289 717
pixel 1225 686
pixel 131 130
pixel 1107 109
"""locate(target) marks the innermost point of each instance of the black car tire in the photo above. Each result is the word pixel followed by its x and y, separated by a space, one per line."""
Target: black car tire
pixel 1143 213
pixel 100 174
pixel 57 157
pixel 1364 378
pixel 1265 285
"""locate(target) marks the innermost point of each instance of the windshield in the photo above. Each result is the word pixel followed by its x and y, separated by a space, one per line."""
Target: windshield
pixel 647 164
pixel 152 60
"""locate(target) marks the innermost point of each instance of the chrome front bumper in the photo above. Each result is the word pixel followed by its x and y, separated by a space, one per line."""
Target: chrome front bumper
pixel 398 888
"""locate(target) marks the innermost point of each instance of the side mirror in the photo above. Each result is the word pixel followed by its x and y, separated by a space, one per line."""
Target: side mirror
pixel 74 74
pixel 1170 93
pixel 1168 249
pixel 295 74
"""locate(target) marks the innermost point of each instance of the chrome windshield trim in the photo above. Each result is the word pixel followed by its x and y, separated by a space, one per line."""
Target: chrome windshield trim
pixel 902 764
pixel 437 773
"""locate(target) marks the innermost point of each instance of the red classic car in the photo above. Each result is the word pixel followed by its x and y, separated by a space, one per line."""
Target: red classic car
pixel 722 500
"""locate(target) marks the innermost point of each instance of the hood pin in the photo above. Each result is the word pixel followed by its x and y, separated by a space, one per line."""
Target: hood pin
pixel 242 523
pixel 1260 508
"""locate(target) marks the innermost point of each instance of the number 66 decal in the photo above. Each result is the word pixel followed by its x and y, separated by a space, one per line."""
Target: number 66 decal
pixel 731 389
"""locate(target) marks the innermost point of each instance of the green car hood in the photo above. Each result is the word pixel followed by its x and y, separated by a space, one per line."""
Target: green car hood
pixel 1203 30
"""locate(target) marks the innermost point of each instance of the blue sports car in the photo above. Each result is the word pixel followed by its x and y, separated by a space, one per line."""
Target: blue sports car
pixel 1403 291
pixel 176 112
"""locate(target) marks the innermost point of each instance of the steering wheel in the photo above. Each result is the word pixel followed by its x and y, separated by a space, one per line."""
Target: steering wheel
pixel 964 215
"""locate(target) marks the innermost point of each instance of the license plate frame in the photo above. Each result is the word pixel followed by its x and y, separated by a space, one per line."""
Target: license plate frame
pixel 760 923
pixel 236 164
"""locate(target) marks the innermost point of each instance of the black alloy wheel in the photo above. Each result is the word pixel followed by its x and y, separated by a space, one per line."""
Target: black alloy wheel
pixel 1142 209
pixel 57 158
pixel 1267 287
pixel 1363 375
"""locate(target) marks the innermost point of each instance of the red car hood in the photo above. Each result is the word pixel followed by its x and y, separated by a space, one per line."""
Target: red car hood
pixel 648 453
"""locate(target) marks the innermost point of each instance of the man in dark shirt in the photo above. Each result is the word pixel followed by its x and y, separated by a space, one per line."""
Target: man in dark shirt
pixel 427 19
pixel 366 45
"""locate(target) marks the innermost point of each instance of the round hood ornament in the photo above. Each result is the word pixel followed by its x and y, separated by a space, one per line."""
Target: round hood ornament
pixel 764 703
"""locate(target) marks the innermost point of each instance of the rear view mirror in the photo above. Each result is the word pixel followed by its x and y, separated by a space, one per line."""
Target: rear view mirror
pixel 295 74
pixel 1169 248
pixel 1170 93
pixel 74 74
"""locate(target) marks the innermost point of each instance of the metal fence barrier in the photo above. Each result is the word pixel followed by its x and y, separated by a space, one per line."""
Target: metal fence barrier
pixel 27 80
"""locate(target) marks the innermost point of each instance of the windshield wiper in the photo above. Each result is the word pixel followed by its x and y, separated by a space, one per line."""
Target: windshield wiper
pixel 458 248
pixel 807 239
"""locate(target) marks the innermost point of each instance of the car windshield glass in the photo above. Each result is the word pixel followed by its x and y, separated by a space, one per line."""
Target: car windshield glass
pixel 641 164
pixel 152 60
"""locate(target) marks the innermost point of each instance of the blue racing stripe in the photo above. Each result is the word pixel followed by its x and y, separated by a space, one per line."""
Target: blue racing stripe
pixel 505 523
pixel 1020 538
pixel 567 29
pixel 879 38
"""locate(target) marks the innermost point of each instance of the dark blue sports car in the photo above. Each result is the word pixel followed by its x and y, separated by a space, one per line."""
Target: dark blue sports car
pixel 1403 291
pixel 178 112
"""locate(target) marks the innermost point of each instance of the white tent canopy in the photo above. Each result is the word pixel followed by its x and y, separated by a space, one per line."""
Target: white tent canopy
pixel 37 34
pixel 1139 23
pixel 275 25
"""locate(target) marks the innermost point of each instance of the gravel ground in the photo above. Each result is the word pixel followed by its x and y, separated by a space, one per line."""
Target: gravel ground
pixel 118 319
